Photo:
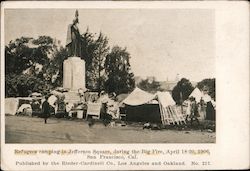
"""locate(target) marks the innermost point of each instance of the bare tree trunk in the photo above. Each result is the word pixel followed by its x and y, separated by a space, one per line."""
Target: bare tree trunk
pixel 181 100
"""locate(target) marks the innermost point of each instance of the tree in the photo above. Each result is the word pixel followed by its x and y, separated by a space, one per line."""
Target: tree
pixel 22 57
pixel 104 69
pixel 182 90
pixel 94 51
pixel 53 72
pixel 120 79
pixel 18 55
pixel 150 85
pixel 208 85
pixel 88 47
pixel 96 71
pixel 24 53
pixel 23 84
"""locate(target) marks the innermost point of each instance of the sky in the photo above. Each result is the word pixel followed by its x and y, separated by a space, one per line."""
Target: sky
pixel 162 42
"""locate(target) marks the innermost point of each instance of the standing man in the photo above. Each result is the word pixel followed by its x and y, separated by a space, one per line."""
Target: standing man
pixel 46 109
pixel 194 111
pixel 188 110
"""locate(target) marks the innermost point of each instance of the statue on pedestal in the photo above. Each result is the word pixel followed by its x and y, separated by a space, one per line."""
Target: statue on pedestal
pixel 74 66
pixel 74 38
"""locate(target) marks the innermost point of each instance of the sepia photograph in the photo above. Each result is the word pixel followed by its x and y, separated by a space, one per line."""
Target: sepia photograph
pixel 110 76
pixel 131 85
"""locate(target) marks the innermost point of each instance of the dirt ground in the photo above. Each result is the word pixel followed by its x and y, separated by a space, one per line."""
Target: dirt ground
pixel 20 129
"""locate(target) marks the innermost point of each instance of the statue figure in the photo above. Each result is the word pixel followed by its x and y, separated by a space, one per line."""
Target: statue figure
pixel 73 42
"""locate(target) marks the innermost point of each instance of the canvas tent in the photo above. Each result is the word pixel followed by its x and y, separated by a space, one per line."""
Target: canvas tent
pixel 198 95
pixel 11 105
pixel 138 107
pixel 155 108
pixel 138 97
pixel 209 112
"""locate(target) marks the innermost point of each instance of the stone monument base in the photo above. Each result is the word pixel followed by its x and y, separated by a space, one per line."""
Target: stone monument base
pixel 74 74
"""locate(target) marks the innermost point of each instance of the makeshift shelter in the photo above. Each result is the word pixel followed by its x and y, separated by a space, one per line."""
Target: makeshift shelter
pixel 169 113
pixel 11 105
pixel 155 108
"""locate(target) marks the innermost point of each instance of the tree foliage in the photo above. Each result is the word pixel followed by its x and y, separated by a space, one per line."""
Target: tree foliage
pixel 208 85
pixel 150 85
pixel 22 57
pixel 22 85
pixel 18 56
pixel 95 71
pixel 37 65
pixel 53 71
pixel 120 79
pixel 182 90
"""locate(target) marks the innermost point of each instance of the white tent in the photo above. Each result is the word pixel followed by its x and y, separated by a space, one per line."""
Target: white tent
pixel 138 97
pixel 198 95
pixel 11 105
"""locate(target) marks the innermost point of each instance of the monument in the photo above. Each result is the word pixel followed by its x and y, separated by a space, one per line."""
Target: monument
pixel 74 66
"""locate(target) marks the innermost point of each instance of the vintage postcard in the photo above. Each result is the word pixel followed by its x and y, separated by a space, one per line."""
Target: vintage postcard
pixel 142 85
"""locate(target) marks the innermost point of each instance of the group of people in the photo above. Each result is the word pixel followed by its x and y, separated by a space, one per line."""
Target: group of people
pixel 202 109
pixel 109 105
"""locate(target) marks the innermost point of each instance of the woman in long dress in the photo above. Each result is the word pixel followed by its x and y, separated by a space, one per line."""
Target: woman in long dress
pixel 46 110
